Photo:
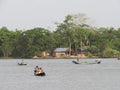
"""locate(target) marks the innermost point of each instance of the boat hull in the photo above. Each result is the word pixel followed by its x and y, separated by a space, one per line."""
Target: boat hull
pixel 40 74
pixel 21 64
pixel 96 62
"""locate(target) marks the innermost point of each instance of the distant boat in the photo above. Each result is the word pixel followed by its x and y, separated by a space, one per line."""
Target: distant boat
pixel 78 62
pixel 22 64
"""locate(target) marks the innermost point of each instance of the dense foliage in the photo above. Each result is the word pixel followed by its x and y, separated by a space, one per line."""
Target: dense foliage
pixel 73 33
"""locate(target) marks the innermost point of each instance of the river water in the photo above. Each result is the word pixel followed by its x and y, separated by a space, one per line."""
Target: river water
pixel 61 74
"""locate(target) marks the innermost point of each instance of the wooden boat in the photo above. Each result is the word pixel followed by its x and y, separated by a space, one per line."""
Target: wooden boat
pixel 22 64
pixel 95 62
pixel 39 74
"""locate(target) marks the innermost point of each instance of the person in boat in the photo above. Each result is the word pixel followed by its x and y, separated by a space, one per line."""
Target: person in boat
pixel 77 59
pixel 22 62
pixel 41 70
pixel 36 69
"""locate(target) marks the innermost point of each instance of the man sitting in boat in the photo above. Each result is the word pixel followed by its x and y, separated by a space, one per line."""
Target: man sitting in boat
pixel 36 69
pixel 22 62
pixel 39 71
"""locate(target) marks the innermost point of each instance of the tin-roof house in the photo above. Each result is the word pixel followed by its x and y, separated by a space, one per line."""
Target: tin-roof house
pixel 58 52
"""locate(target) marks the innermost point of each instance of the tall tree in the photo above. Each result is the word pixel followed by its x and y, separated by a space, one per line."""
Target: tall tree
pixel 71 24
pixel 6 41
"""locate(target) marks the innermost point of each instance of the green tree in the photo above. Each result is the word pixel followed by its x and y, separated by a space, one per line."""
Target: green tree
pixel 6 46
pixel 36 40
pixel 72 28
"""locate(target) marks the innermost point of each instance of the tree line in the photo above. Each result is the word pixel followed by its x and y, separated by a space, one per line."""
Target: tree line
pixel 73 32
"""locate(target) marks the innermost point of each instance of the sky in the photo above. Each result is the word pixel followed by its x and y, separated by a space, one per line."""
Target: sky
pixel 28 14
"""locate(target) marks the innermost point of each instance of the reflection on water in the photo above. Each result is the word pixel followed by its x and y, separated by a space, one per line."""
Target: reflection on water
pixel 61 74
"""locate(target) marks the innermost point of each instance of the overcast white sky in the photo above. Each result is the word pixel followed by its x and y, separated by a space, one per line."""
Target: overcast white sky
pixel 27 14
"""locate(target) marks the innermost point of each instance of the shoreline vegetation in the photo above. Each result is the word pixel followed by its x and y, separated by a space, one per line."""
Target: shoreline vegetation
pixel 72 33
pixel 51 57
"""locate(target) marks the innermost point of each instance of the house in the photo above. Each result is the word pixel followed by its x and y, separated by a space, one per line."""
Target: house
pixel 44 54
pixel 58 52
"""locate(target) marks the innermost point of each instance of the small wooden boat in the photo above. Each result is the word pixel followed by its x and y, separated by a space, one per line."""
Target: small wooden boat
pixel 95 62
pixel 39 74
pixel 22 64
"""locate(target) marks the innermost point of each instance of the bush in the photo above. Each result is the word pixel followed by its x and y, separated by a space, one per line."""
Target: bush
pixel 110 53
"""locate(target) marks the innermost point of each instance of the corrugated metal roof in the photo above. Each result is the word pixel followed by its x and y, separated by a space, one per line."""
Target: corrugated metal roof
pixel 61 49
